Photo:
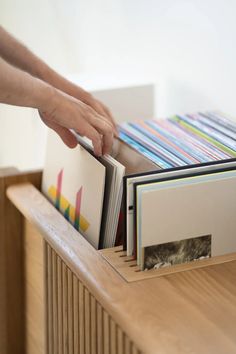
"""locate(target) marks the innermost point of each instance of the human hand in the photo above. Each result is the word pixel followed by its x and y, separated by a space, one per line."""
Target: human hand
pixel 80 94
pixel 24 74
pixel 63 112
pixel 99 107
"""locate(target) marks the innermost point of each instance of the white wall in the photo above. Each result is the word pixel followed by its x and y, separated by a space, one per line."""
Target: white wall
pixel 188 46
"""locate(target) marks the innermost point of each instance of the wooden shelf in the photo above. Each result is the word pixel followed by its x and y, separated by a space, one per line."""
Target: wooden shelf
pixel 127 267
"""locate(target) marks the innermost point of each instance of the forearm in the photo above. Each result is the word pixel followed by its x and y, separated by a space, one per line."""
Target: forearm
pixel 18 55
pixel 19 88
pixel 58 110
pixel 25 80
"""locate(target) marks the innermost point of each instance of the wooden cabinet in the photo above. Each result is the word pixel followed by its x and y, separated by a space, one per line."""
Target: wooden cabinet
pixel 70 300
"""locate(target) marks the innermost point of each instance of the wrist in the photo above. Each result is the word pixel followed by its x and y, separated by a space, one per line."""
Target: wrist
pixel 46 97
pixel 61 83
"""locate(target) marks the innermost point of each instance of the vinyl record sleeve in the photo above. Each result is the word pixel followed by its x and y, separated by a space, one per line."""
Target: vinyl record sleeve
pixel 112 195
pixel 156 184
pixel 129 192
pixel 70 181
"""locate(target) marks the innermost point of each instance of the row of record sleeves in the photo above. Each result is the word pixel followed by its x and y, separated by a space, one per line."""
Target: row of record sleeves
pixel 182 139
pixel 176 206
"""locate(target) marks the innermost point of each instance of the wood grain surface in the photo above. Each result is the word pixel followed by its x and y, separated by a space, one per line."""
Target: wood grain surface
pixel 188 312
pixel 4 172
pixel 12 338
pixel 127 267
pixel 3 300
pixel 34 320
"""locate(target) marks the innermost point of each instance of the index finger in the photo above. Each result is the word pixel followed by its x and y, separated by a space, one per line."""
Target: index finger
pixel 105 129
pixel 91 133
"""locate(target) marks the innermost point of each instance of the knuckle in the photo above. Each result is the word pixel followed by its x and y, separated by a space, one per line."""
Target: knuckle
pixel 82 130
pixel 107 127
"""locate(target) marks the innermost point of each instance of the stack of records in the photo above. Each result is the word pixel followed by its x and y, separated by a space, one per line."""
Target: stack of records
pixel 185 210
pixel 182 139
pixel 87 190
pixel 177 177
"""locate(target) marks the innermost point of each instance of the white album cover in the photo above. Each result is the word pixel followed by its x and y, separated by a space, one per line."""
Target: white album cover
pixel 192 208
pixel 74 181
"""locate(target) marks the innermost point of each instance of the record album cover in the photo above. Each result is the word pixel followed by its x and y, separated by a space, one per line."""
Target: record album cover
pixel 73 180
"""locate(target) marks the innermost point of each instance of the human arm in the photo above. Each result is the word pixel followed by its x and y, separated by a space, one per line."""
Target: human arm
pixel 58 110
pixel 21 57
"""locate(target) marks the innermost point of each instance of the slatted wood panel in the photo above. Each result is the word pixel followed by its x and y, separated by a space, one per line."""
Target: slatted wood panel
pixel 76 322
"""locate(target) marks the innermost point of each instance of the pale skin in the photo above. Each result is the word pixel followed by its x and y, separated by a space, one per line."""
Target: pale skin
pixel 25 80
